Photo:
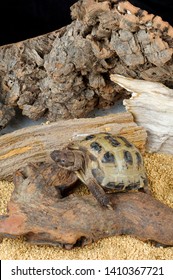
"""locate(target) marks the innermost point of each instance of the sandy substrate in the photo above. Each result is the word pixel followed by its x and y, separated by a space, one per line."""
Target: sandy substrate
pixel 160 172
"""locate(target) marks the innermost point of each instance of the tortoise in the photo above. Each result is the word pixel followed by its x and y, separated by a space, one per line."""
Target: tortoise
pixel 104 163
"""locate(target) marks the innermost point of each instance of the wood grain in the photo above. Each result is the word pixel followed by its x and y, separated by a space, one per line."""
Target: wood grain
pixel 36 212
pixel 151 105
pixel 34 144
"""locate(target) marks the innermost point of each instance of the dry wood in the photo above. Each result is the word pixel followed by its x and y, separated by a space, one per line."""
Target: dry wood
pixel 65 74
pixel 36 142
pixel 151 104
pixel 42 217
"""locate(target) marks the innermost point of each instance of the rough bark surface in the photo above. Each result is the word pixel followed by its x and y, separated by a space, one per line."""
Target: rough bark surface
pixel 65 74
pixel 37 212
pixel 35 143
pixel 151 105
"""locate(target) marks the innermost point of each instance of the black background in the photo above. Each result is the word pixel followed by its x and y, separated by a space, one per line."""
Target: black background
pixel 22 19
pixel 162 8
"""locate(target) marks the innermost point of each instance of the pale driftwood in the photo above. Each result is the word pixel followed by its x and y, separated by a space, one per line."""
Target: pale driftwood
pixel 36 142
pixel 37 213
pixel 65 74
pixel 151 104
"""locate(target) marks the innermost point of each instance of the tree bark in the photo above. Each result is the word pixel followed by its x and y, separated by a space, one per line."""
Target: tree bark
pixel 42 217
pixel 34 144
pixel 151 105
pixel 65 74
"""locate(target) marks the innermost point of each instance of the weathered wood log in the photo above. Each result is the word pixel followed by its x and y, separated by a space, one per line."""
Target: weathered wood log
pixel 65 74
pixel 151 105
pixel 36 212
pixel 35 143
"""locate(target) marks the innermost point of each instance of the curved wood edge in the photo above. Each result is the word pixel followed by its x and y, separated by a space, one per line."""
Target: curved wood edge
pixel 37 212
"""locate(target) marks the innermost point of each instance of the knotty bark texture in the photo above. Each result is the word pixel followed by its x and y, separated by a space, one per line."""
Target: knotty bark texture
pixel 151 105
pixel 37 212
pixel 65 74
pixel 34 144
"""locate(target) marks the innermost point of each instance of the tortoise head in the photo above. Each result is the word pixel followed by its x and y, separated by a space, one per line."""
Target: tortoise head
pixel 70 160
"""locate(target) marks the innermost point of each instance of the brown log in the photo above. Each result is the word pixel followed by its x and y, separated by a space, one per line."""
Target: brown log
pixel 34 144
pixel 151 105
pixel 42 217
pixel 65 74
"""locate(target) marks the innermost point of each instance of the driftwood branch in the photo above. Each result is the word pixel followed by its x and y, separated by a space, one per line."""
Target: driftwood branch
pixel 37 212
pixel 151 105
pixel 34 144
pixel 65 74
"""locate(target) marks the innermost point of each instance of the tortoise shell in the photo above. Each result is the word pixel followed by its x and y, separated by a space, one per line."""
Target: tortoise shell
pixel 114 162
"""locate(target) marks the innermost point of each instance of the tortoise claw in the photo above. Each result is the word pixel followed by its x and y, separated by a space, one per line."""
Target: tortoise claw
pixel 105 202
pixel 110 206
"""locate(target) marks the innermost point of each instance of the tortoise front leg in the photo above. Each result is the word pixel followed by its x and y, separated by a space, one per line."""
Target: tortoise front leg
pixel 144 186
pixel 98 192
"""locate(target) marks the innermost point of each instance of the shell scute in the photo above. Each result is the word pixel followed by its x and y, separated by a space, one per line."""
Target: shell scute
pixel 96 147
pixel 128 157
pixel 112 141
pixel 126 142
pixel 117 164
pixel 108 157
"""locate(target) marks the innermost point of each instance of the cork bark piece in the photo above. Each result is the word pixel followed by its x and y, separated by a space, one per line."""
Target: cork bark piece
pixel 65 73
